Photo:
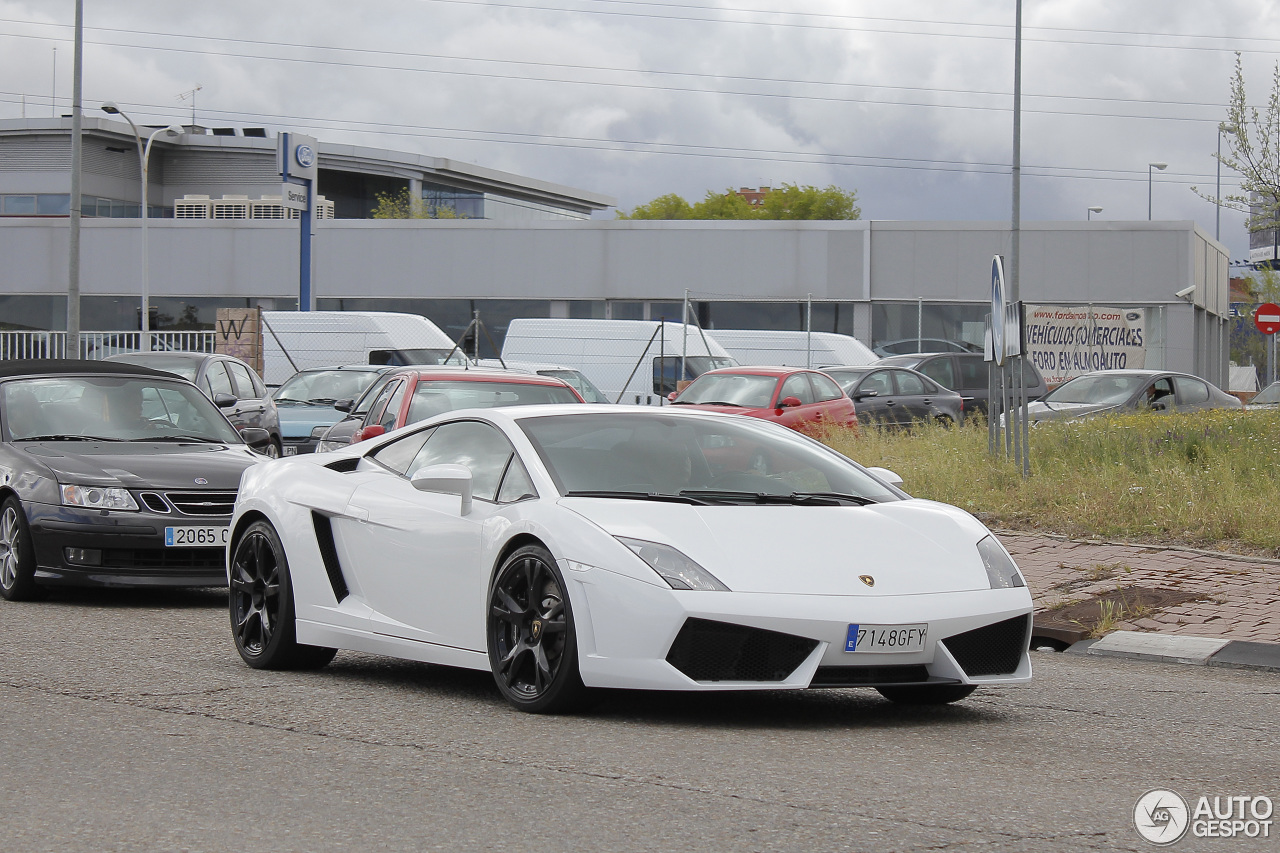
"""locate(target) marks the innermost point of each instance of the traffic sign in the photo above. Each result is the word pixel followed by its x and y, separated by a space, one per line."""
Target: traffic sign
pixel 1267 318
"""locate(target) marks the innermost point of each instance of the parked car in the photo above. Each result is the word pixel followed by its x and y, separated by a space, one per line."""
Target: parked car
pixel 559 549
pixel 353 411
pixel 1267 398
pixel 1112 391
pixel 966 373
pixel 113 475
pixel 415 395
pixel 306 402
pixel 225 379
pixel 913 345
pixel 790 396
pixel 571 376
pixel 897 396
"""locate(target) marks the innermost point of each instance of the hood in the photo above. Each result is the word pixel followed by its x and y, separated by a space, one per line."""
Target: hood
pixel 908 547
pixel 153 465
pixel 728 410
pixel 1041 411
pixel 298 421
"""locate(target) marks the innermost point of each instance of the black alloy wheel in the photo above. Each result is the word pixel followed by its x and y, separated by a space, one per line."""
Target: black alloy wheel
pixel 17 555
pixel 532 644
pixel 926 694
pixel 261 603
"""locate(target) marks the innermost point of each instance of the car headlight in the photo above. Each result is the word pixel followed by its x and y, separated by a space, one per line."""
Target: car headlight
pixel 1001 571
pixel 95 497
pixel 318 432
pixel 673 567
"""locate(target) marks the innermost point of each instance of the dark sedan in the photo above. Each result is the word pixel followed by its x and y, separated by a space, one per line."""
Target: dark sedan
pixel 225 379
pixel 1114 391
pixel 113 474
pixel 896 396
pixel 968 374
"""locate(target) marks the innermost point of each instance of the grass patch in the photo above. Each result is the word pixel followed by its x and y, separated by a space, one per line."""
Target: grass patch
pixel 1206 479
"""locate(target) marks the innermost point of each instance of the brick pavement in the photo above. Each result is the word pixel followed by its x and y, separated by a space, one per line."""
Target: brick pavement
pixel 1241 595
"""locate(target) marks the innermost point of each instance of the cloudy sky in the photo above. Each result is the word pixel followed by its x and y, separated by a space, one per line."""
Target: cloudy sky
pixel 907 102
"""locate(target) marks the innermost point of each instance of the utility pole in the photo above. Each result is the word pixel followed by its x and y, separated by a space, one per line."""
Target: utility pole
pixel 73 241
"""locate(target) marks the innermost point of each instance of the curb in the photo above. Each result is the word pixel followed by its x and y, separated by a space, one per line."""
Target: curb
pixel 1170 648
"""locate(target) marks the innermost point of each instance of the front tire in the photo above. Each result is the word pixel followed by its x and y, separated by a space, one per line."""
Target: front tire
pixel 927 694
pixel 533 649
pixel 17 555
pixel 261 603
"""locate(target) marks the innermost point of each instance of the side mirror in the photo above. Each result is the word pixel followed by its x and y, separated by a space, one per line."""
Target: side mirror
pixel 863 395
pixel 445 480
pixel 788 402
pixel 225 401
pixel 344 405
pixel 672 396
pixel 888 476
pixel 371 431
pixel 255 437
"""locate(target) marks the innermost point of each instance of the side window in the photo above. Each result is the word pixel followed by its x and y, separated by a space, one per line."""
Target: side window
pixel 366 400
pixel 392 412
pixel 398 455
pixel 374 415
pixel 826 388
pixel 1162 390
pixel 477 445
pixel 217 381
pixel 797 385
pixel 942 371
pixel 245 389
pixel 516 486
pixel 1190 391
pixel 879 382
pixel 973 375
pixel 908 383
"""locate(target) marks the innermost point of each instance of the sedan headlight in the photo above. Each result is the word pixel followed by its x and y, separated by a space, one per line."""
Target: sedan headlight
pixel 95 497
pixel 1001 571
pixel 673 567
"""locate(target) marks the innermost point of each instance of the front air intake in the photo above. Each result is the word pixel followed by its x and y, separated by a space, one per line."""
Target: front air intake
pixel 992 649
pixel 719 651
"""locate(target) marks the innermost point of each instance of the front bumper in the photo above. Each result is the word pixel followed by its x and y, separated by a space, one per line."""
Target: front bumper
pixel 131 548
pixel 298 446
pixel 630 636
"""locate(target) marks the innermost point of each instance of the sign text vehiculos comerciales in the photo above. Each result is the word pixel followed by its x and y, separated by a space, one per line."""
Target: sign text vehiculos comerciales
pixel 1066 341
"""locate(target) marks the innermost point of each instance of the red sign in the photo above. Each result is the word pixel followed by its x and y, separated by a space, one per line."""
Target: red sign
pixel 1267 318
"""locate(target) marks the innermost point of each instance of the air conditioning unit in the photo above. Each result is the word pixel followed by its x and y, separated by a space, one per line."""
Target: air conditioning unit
pixel 230 207
pixel 191 207
pixel 269 207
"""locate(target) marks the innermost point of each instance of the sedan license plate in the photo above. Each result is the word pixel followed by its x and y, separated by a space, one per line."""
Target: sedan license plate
pixel 196 537
pixel 886 638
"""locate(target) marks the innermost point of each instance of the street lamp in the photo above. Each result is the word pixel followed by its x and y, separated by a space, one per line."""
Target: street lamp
pixel 144 156
pixel 1091 211
pixel 1159 167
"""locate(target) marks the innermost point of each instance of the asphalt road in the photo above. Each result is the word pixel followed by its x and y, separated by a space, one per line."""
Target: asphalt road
pixel 129 723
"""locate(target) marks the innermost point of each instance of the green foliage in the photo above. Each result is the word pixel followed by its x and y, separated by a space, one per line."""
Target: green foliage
pixel 402 206
pixel 789 201
pixel 1204 479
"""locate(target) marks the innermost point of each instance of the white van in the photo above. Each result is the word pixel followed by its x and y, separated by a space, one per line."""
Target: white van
pixel 569 375
pixel 793 349
pixel 297 340
pixel 631 361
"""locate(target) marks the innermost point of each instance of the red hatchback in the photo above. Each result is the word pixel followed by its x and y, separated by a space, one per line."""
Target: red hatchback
pixel 792 396
pixel 415 395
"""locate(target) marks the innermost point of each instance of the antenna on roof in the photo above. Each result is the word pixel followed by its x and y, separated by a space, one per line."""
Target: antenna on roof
pixel 192 95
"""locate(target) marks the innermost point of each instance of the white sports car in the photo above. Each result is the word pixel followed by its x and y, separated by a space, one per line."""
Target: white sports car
pixel 572 547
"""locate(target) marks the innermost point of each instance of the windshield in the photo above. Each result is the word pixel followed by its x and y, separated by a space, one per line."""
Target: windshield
pixel 424 355
pixel 71 408
pixel 636 452
pixel 846 379
pixel 1270 394
pixel 1097 389
pixel 582 384
pixel 434 397
pixel 751 391
pixel 325 387
pixel 184 367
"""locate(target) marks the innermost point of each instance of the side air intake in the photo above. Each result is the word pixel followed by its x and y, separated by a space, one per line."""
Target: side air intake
pixel 329 554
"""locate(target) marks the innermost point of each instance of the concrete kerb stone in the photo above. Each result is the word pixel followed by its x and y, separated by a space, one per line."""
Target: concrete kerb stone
pixel 1171 648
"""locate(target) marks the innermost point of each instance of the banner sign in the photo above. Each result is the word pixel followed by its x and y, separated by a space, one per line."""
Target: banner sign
pixel 1064 342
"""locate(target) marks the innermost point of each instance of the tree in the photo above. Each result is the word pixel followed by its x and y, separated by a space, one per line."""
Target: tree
pixel 1253 150
pixel 670 206
pixel 725 205
pixel 402 206
pixel 795 202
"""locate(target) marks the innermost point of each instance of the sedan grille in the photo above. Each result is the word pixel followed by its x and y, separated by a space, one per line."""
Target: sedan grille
pixel 202 503
pixel 718 651
pixel 165 559
pixel 992 649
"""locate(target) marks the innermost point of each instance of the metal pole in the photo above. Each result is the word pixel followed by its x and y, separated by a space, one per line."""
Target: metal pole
pixel 1217 195
pixel 684 332
pixel 146 255
pixel 1019 410
pixel 77 144
pixel 919 323
pixel 808 332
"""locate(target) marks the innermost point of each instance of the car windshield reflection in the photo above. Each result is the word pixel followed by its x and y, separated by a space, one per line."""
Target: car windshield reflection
pixel 750 391
pixel 1097 390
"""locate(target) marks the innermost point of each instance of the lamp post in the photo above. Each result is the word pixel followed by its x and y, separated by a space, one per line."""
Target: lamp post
pixel 1090 212
pixel 144 156
pixel 1159 167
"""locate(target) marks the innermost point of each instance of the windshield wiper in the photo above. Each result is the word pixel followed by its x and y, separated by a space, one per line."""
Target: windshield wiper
pixel 842 497
pixel 199 439
pixel 682 498
pixel 795 498
pixel 705 403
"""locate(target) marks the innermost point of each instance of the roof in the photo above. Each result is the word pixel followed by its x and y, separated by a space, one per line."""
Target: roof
pixel 762 370
pixel 74 367
pixel 478 375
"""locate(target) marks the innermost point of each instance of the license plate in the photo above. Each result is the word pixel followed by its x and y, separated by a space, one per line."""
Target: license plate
pixel 196 537
pixel 886 638
pixel 290 450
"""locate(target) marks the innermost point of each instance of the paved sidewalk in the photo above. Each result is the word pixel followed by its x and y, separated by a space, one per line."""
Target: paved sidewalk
pixel 1241 595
